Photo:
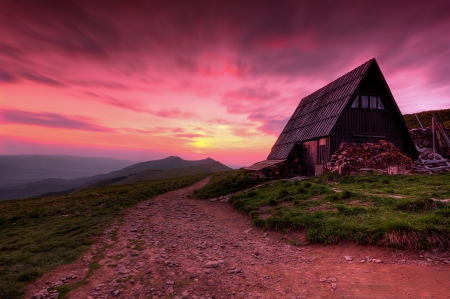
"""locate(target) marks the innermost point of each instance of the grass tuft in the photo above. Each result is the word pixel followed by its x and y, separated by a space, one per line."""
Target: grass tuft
pixel 391 210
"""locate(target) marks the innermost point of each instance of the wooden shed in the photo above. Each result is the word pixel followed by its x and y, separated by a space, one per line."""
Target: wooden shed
pixel 357 107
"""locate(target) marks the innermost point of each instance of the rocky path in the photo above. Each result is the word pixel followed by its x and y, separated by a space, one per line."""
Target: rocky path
pixel 173 246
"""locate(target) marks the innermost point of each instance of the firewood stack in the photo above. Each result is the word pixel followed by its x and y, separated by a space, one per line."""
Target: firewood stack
pixel 423 138
pixel 352 157
pixel 429 162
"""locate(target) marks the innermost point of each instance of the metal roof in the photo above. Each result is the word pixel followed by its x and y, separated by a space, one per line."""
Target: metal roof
pixel 264 164
pixel 317 113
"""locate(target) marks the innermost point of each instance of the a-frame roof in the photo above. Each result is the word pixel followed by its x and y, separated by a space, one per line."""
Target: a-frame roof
pixel 317 113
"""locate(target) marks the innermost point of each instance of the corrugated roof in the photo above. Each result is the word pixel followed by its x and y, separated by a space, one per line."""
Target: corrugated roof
pixel 317 113
pixel 264 164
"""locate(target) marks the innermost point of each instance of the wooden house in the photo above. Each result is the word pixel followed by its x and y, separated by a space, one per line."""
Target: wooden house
pixel 357 107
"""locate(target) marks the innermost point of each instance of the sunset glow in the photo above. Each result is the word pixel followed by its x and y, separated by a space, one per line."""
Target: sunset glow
pixel 141 80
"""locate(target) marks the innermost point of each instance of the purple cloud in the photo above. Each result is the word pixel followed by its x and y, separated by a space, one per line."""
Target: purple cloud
pixel 52 120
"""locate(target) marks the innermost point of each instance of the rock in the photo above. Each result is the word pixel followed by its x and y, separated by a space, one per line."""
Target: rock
pixel 248 230
pixel 212 264
pixel 116 292
pixel 185 294
pixel 170 282
pixel 348 258
pixel 332 279
pixel 334 286
pixel 377 261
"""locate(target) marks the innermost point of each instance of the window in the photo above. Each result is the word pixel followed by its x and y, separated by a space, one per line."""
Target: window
pixel 355 103
pixel 367 102
pixel 364 102
pixel 380 104
pixel 373 102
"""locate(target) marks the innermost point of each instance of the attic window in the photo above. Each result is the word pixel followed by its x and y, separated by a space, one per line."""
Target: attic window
pixel 355 103
pixel 380 104
pixel 364 101
pixel 367 102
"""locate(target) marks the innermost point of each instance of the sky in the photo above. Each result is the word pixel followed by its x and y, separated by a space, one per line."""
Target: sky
pixel 142 80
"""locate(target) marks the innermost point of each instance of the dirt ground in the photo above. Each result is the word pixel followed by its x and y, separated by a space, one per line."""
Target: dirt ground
pixel 173 246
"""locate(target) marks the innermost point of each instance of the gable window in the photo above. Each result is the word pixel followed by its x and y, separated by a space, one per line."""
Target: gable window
pixel 367 102
pixel 373 102
pixel 380 104
pixel 364 101
pixel 355 102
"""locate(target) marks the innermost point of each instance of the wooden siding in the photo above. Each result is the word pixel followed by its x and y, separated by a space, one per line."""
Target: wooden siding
pixel 309 157
pixel 367 122
pixel 323 151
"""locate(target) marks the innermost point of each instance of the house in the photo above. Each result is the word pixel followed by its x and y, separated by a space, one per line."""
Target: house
pixel 357 107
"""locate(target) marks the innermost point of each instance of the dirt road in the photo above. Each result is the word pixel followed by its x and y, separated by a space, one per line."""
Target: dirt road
pixel 176 247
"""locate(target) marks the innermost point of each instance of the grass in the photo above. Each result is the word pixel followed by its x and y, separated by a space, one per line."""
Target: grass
pixel 367 209
pixel 226 182
pixel 39 234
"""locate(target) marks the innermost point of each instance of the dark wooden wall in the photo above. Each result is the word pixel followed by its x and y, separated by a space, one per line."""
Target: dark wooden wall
pixel 309 157
pixel 313 153
pixel 367 122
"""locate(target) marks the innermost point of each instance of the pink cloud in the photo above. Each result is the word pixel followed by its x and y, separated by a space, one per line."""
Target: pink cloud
pixel 189 135
pixel 51 120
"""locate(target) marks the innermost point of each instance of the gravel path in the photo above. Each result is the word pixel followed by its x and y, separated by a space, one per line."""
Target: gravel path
pixel 173 246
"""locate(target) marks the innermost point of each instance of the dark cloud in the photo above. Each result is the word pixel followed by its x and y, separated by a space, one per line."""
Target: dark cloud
pixel 267 37
pixel 6 77
pixel 42 79
pixel 52 120
pixel 98 83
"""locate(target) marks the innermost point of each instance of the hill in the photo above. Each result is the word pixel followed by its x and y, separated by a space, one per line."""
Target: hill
pixel 20 169
pixel 154 174
pixel 39 234
pixel 425 118
pixel 169 167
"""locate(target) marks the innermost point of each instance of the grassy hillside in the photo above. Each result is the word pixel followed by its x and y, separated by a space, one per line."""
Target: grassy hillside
pixel 20 169
pixel 150 170
pixel 425 118
pixel 368 209
pixel 227 182
pixel 166 163
pixel 39 234
pixel 151 174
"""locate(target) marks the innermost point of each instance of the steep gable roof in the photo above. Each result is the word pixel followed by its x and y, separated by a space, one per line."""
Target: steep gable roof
pixel 317 113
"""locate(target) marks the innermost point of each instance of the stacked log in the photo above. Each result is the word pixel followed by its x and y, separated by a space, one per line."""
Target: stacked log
pixel 422 137
pixel 352 157
pixel 430 162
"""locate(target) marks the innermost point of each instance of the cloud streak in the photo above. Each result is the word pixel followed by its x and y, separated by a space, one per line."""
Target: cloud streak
pixel 51 120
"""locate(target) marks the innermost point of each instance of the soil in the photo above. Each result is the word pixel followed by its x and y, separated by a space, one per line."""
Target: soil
pixel 173 246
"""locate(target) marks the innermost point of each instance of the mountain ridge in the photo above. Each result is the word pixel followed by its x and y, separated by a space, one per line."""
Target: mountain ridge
pixel 175 164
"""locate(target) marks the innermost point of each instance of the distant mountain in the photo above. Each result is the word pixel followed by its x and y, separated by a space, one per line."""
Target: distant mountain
pixel 20 169
pixel 157 169
pixel 157 174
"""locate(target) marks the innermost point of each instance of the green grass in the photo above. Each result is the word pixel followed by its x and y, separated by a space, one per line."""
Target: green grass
pixel 369 209
pixel 39 234
pixel 226 182
pixel 425 118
